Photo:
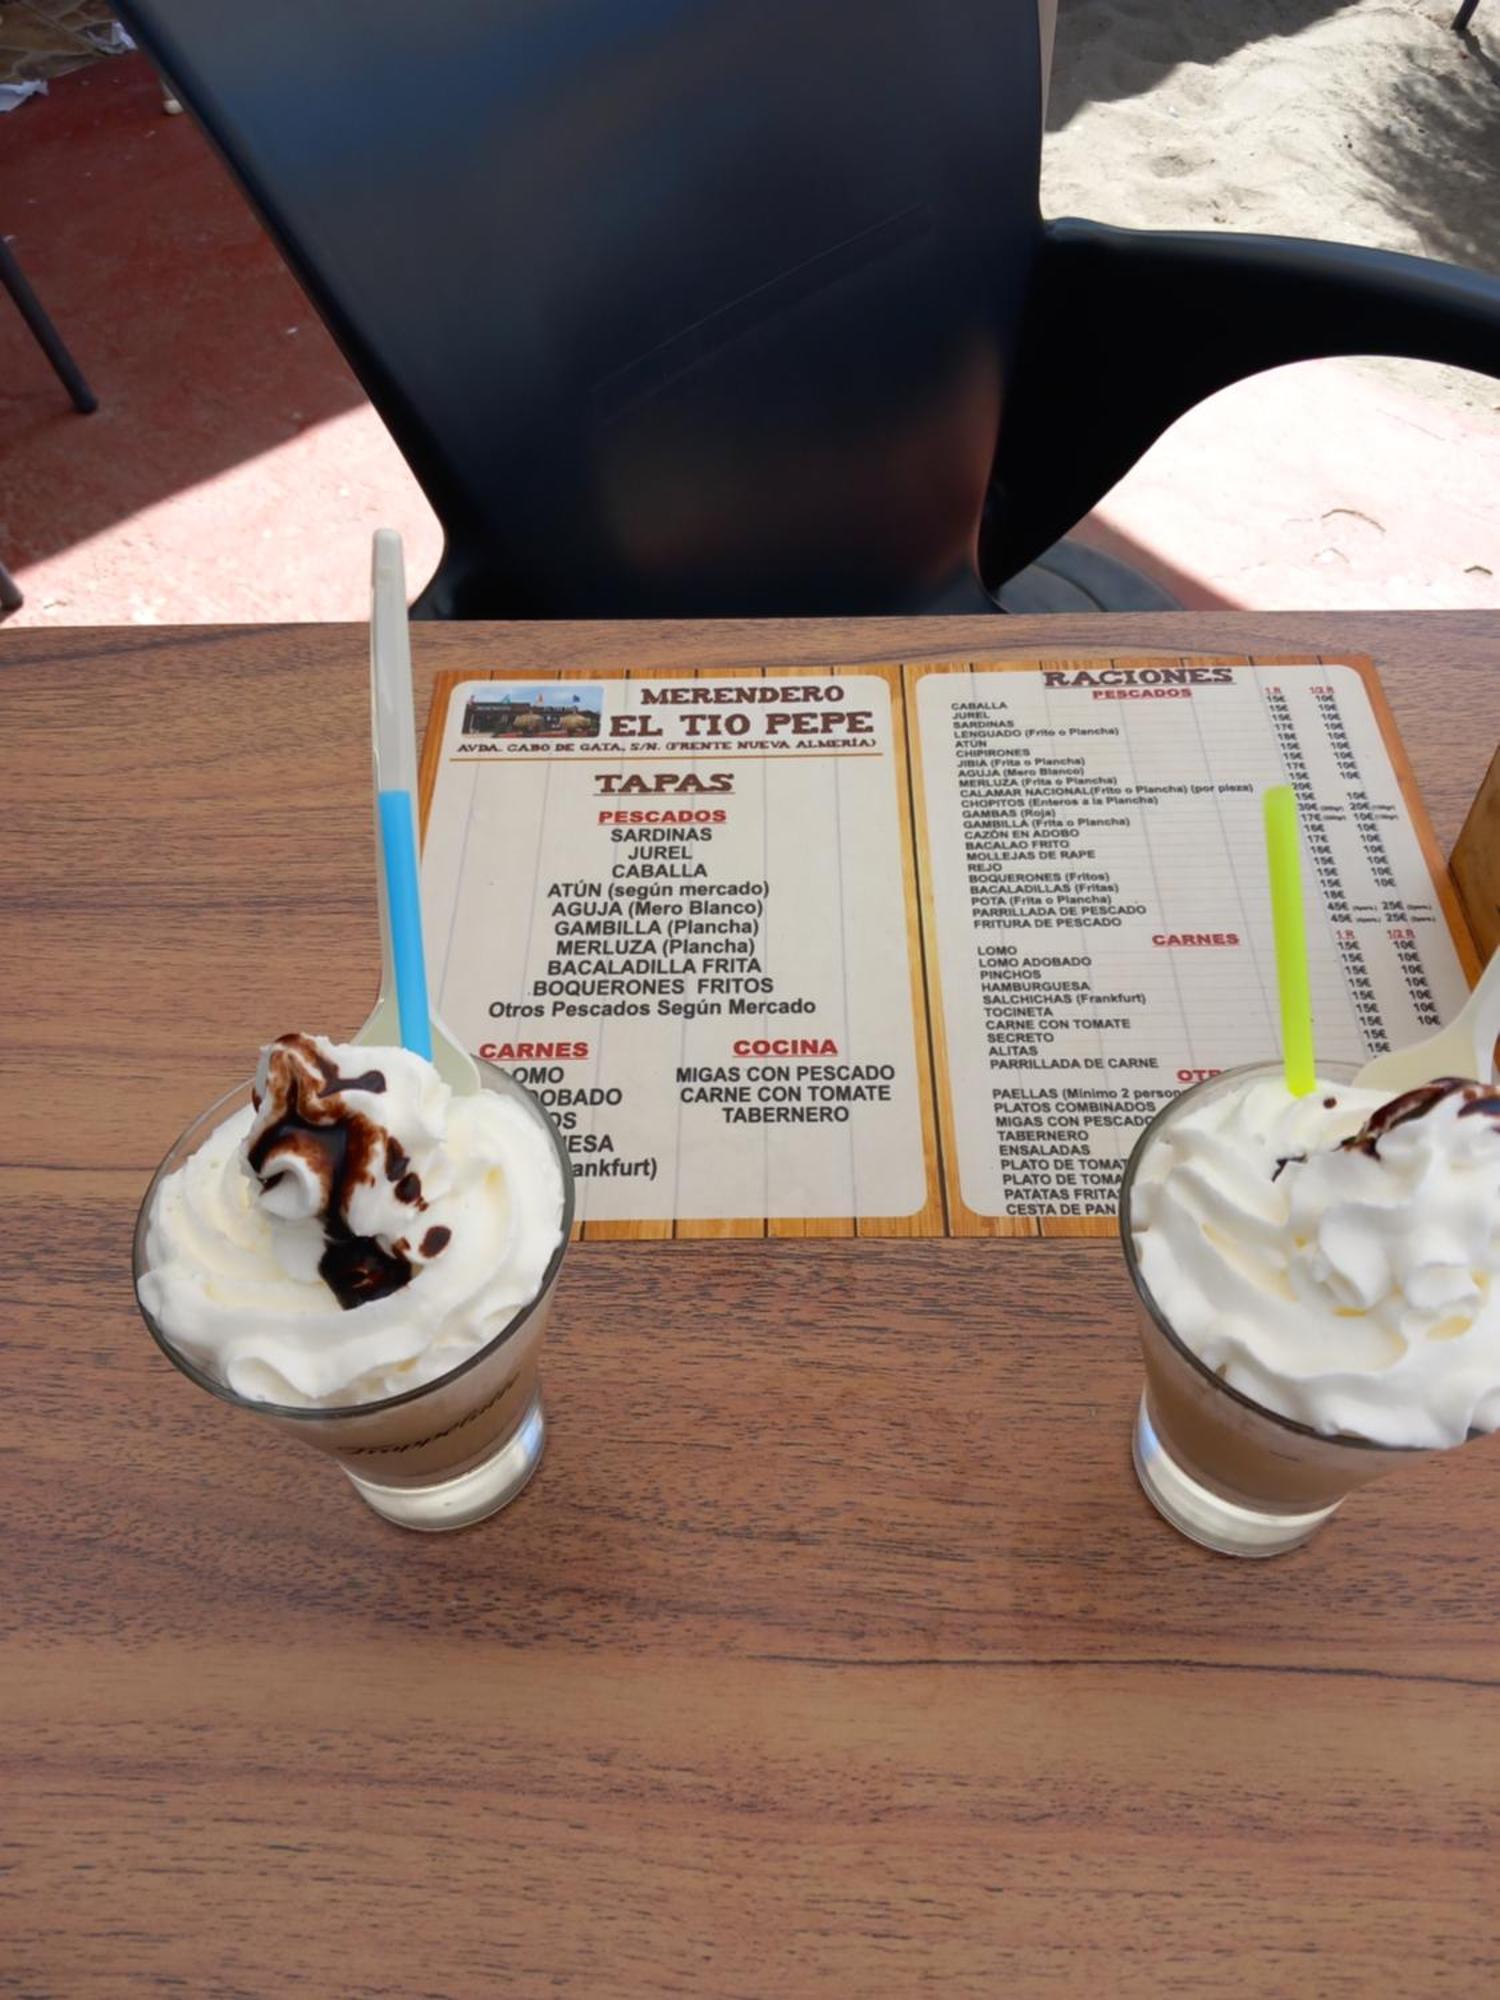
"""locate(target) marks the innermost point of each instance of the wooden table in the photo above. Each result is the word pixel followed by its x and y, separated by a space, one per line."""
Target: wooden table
pixel 833 1653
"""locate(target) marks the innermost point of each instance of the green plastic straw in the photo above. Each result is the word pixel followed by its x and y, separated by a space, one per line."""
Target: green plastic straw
pixel 1289 919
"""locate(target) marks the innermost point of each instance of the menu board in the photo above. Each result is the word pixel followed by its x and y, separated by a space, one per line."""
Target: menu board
pixel 907 950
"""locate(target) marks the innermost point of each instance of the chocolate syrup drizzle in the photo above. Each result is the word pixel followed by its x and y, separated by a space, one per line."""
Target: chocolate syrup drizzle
pixel 1479 1101
pixel 341 1148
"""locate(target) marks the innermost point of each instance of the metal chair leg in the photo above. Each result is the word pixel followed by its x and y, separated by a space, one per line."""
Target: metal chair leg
pixel 47 336
pixel 1464 16
pixel 10 591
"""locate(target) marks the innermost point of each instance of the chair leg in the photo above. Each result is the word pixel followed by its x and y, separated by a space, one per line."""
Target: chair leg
pixel 47 336
pixel 10 591
pixel 1464 16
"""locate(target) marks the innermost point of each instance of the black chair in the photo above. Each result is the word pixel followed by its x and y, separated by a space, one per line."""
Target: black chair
pixel 684 307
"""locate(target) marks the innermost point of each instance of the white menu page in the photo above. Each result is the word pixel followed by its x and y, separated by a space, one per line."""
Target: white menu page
pixel 1094 864
pixel 674 907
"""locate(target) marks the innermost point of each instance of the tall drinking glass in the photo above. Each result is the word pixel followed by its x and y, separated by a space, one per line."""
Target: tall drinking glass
pixel 440 1456
pixel 1223 1469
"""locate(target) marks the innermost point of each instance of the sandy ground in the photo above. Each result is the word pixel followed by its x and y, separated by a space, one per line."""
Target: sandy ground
pixel 1365 122
pixel 1335 484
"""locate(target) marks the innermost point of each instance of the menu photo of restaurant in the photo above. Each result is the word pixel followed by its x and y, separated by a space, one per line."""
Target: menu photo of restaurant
pixel 522 709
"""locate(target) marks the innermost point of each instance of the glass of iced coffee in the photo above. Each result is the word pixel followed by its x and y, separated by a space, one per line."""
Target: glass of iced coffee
pixel 350 1250
pixel 1315 1281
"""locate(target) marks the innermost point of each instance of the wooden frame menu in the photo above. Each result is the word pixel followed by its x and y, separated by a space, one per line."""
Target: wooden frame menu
pixel 907 950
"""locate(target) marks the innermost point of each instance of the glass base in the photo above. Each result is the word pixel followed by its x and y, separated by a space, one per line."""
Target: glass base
pixel 1226 1526
pixel 470 1496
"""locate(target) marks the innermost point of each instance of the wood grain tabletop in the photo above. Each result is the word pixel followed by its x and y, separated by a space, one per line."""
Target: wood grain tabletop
pixel 833 1652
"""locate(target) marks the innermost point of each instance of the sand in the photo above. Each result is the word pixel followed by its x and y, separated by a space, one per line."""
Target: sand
pixel 1369 123
pixel 1337 484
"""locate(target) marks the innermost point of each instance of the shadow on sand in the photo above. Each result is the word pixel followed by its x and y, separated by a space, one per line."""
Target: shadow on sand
pixel 1108 49
pixel 1438 158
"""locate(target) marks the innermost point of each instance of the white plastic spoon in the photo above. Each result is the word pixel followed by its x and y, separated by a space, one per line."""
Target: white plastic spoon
pixel 394 761
pixel 1466 1047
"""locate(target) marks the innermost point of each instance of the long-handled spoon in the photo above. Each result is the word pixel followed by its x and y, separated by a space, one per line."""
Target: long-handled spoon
pixel 1466 1047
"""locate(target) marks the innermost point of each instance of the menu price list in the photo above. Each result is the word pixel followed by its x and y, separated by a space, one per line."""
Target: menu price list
pixel 1099 923
pixel 898 950
pixel 666 904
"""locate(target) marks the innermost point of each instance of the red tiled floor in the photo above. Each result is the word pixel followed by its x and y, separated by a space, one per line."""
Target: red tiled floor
pixel 233 457
pixel 1322 485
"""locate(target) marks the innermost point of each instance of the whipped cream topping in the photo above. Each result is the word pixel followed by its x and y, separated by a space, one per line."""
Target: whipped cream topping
pixel 1334 1257
pixel 354 1232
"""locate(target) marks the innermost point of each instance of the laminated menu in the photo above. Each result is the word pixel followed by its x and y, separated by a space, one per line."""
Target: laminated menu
pixel 908 950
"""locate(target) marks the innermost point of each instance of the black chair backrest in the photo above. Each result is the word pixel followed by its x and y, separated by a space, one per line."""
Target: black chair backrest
pixel 673 306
